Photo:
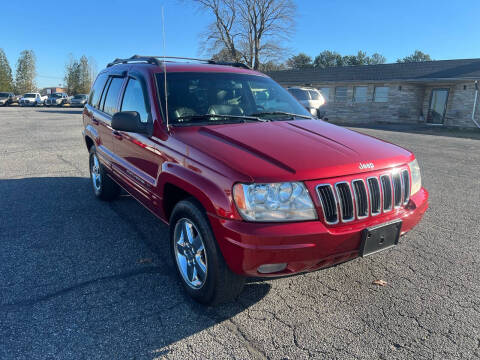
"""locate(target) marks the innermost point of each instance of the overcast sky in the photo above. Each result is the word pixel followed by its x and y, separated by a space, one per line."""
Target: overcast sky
pixel 105 30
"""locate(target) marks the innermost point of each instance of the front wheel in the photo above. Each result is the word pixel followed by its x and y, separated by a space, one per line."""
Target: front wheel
pixel 103 186
pixel 200 265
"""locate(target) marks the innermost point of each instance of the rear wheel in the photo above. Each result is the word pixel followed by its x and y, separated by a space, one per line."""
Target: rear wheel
pixel 103 186
pixel 200 265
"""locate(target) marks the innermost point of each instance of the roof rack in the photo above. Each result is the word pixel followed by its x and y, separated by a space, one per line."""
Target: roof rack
pixel 157 60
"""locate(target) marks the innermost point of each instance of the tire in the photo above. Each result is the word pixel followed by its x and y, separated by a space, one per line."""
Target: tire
pixel 220 284
pixel 103 186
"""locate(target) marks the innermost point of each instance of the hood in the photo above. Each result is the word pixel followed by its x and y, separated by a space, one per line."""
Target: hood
pixel 293 150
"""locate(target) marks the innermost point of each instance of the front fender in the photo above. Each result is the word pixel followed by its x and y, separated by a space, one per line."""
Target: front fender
pixel 214 196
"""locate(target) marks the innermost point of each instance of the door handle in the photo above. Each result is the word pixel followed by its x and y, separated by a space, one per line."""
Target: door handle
pixel 117 135
pixel 95 121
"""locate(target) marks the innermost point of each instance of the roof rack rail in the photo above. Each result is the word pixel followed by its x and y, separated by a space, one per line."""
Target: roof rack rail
pixel 157 60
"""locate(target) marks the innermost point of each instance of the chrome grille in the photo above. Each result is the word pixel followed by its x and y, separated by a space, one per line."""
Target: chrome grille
pixel 329 203
pixel 406 186
pixel 345 197
pixel 375 195
pixel 387 192
pixel 346 201
pixel 361 199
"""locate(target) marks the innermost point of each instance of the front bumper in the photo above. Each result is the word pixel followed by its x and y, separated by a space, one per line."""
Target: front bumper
pixel 304 246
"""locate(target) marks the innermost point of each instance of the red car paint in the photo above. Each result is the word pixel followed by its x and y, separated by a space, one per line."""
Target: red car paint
pixel 206 161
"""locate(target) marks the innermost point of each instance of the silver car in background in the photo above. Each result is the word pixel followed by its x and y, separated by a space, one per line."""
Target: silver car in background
pixel 57 99
pixel 79 100
pixel 311 98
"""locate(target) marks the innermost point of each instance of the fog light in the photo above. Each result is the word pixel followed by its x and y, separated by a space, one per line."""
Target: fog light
pixel 271 268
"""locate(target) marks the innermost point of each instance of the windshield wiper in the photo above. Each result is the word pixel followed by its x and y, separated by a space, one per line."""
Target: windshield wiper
pixel 209 116
pixel 292 115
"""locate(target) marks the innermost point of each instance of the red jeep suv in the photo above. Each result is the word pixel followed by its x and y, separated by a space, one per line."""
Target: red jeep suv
pixel 249 183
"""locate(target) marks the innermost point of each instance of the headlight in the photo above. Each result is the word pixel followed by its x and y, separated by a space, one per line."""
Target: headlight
pixel 416 177
pixel 288 201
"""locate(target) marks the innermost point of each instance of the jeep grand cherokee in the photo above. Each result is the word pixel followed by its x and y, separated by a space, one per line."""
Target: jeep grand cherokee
pixel 251 186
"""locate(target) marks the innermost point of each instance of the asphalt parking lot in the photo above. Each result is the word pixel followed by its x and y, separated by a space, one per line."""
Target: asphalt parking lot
pixel 84 279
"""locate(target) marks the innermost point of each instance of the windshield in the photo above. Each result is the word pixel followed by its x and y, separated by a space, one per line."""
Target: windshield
pixel 29 95
pixel 315 95
pixel 80 97
pixel 195 97
pixel 56 95
pixel 4 94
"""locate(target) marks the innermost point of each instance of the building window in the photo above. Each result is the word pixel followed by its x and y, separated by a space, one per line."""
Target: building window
pixel 380 94
pixel 341 94
pixel 360 94
pixel 325 91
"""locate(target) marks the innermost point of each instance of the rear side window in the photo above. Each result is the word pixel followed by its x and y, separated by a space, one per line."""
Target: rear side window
pixel 134 99
pixel 111 99
pixel 97 89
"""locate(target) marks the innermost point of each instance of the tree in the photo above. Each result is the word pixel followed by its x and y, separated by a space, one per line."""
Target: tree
pixel 78 75
pixel 249 30
pixel 26 72
pixel 271 66
pixel 328 58
pixel 6 80
pixel 376 59
pixel 360 59
pixel 417 56
pixel 300 61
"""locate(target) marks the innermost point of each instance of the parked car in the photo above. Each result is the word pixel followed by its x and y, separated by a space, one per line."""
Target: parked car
pixel 57 99
pixel 31 99
pixel 311 98
pixel 6 98
pixel 79 100
pixel 248 189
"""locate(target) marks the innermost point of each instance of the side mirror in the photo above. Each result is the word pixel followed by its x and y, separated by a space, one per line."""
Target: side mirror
pixel 129 121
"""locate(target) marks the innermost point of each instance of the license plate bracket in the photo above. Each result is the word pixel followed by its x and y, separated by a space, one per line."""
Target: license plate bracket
pixel 380 237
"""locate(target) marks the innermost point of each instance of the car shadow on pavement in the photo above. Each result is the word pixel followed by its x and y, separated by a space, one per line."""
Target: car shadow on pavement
pixel 53 111
pixel 84 278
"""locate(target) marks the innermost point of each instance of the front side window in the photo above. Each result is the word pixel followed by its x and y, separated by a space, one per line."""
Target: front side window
pixel 360 94
pixel 134 99
pixel 341 94
pixel 111 99
pixel 197 97
pixel 97 89
pixel 380 94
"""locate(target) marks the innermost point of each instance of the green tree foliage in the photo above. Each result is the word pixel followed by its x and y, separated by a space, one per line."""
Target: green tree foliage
pixel 376 59
pixel 271 66
pixel 6 79
pixel 78 76
pixel 26 72
pixel 417 56
pixel 328 58
pixel 300 61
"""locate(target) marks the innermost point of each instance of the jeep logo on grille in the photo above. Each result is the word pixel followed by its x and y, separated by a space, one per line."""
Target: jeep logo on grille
pixel 366 166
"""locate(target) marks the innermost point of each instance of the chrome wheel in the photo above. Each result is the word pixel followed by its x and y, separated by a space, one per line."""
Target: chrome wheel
pixel 95 171
pixel 190 253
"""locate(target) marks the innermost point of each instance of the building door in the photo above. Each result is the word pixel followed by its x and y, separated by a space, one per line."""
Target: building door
pixel 438 106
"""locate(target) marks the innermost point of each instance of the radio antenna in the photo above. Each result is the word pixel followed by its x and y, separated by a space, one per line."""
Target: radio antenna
pixel 165 71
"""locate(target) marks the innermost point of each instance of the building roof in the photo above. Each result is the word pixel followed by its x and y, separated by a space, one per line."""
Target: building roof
pixel 462 69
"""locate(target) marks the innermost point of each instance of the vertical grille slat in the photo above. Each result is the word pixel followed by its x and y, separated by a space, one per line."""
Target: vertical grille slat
pixel 406 186
pixel 329 203
pixel 346 201
pixel 375 197
pixel 387 192
pixel 361 198
pixel 397 190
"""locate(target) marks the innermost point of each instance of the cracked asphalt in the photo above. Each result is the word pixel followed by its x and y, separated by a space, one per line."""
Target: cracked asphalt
pixel 84 279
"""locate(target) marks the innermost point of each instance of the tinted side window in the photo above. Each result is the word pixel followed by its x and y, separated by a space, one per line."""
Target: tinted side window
pixel 97 89
pixel 111 99
pixel 134 99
